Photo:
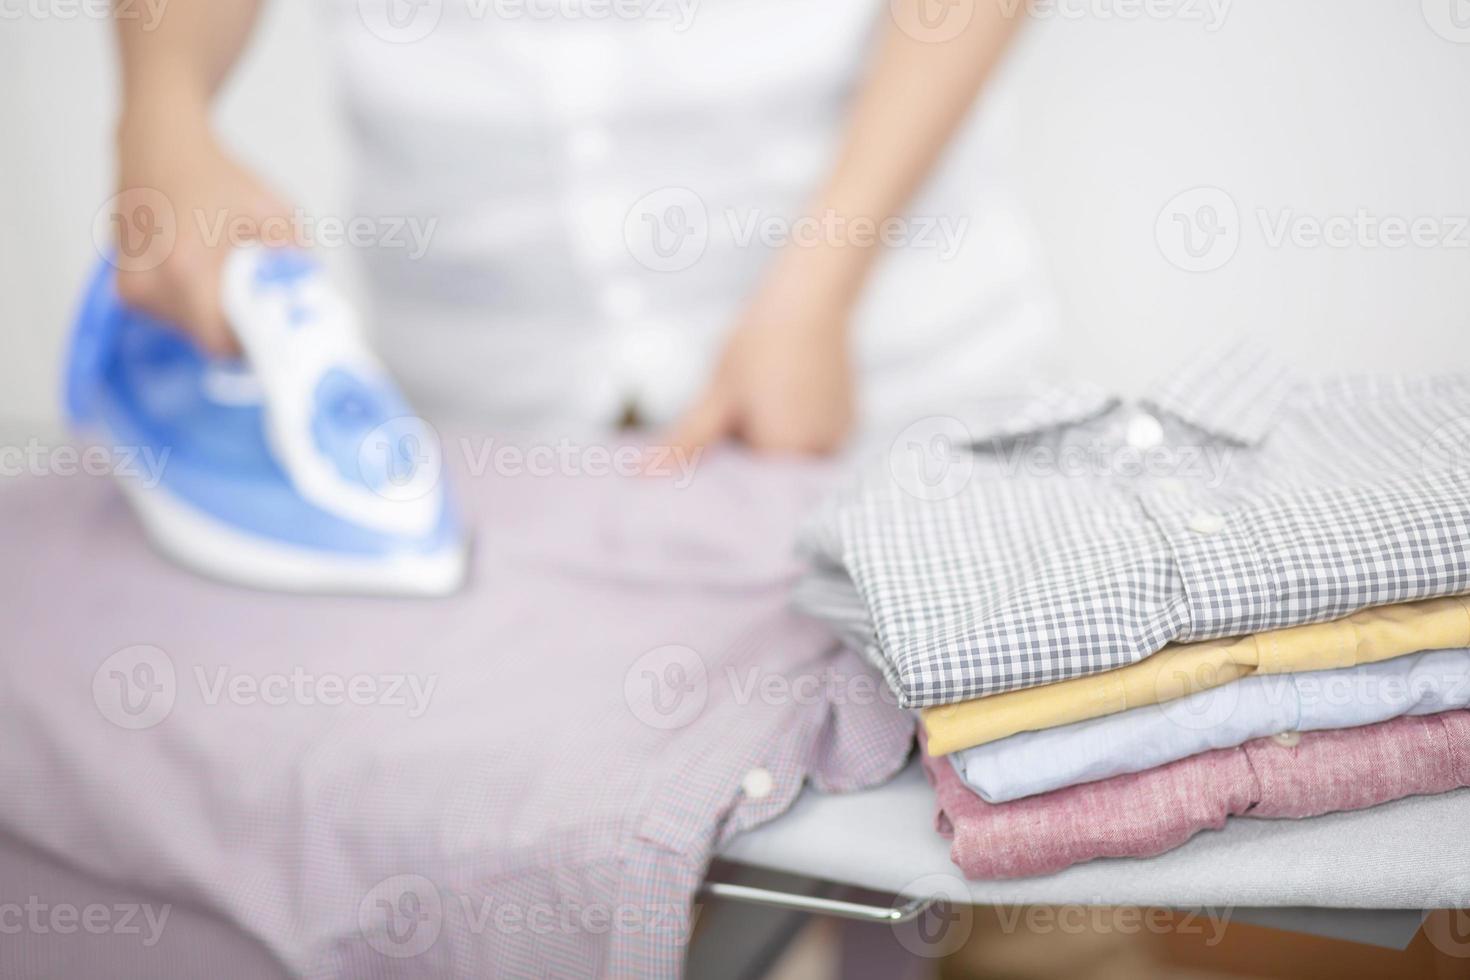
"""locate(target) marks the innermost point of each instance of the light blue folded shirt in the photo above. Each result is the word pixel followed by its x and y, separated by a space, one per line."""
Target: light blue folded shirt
pixel 1221 717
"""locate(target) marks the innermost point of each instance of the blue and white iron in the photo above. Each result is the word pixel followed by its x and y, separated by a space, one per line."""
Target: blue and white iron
pixel 300 468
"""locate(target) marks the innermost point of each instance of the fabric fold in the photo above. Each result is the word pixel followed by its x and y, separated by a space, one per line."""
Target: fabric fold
pixel 1233 502
pixel 1150 812
pixel 1223 717
pixel 1372 635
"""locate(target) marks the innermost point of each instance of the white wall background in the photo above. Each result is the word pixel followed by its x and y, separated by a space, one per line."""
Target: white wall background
pixel 1304 109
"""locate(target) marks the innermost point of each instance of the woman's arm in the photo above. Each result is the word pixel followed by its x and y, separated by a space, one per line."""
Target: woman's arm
pixel 176 63
pixel 176 184
pixel 916 94
pixel 784 383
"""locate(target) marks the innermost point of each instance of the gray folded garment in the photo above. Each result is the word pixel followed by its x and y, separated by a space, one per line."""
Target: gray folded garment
pixel 1077 534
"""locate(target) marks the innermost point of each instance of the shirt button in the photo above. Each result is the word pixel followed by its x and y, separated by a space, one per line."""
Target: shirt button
pixel 1205 523
pixel 622 299
pixel 1144 431
pixel 1172 484
pixel 590 145
pixel 1287 740
pixel 757 784
pixel 788 164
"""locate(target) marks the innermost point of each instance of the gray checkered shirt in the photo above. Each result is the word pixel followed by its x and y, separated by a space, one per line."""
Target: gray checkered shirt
pixel 1075 533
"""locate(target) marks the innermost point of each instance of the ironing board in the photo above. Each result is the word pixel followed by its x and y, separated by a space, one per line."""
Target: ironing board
pixel 1368 876
pixel 1381 856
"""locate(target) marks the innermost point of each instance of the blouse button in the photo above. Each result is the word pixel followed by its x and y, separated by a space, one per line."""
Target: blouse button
pixel 1144 431
pixel 589 145
pixel 1206 523
pixel 757 784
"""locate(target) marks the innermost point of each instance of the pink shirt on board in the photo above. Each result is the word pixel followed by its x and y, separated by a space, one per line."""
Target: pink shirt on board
pixel 1150 812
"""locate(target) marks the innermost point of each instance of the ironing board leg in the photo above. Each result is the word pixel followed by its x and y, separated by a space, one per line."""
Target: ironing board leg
pixel 872 952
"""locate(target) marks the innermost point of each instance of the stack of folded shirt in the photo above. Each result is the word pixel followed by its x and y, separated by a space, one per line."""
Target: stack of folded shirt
pixel 1123 623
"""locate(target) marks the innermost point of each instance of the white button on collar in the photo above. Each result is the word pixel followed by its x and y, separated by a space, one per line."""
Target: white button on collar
pixel 757 784
pixel 1205 523
pixel 1287 740
pixel 591 145
pixel 1144 431
pixel 622 299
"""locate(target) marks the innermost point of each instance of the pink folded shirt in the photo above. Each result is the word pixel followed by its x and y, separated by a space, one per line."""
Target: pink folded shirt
pixel 1150 812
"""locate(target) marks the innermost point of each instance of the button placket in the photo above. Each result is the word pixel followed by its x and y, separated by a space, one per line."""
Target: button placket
pixel 1228 590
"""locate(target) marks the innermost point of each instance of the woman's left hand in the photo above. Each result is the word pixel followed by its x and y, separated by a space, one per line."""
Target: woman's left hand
pixel 784 382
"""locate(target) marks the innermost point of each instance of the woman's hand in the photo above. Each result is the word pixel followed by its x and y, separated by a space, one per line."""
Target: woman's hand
pixel 784 382
pixel 183 202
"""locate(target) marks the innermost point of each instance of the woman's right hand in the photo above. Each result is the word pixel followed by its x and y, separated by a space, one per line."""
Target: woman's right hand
pixel 183 202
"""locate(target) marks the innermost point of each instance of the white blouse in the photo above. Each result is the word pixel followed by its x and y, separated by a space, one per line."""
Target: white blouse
pixel 606 180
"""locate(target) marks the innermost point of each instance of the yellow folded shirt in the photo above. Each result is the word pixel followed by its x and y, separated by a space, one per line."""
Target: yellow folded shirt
pixel 1183 668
